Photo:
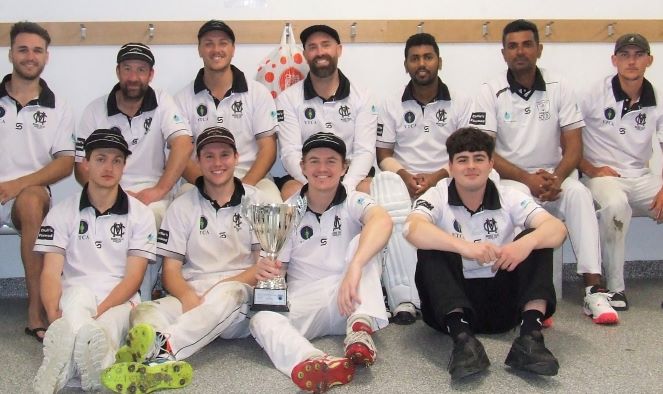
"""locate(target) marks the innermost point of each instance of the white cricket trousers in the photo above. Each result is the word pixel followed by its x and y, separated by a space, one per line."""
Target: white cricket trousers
pixel 619 199
pixel 314 313
pixel 576 208
pixel 222 313
pixel 79 306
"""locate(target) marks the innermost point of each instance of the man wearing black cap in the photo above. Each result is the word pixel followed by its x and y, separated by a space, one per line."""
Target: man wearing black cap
pixel 333 275
pixel 220 95
pixel 209 268
pixel 96 246
pixel 150 122
pixel 36 130
pixel 621 116
pixel 325 101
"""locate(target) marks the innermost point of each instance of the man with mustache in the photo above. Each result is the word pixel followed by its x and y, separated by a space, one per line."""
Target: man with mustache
pixel 621 115
pixel 534 116
pixel 36 129
pixel 325 101
pixel 150 122
pixel 412 129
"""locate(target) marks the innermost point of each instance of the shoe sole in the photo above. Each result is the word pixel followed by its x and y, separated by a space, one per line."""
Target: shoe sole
pixel 317 376
pixel 603 318
pixel 540 368
pixel 90 351
pixel 140 339
pixel 360 354
pixel 463 372
pixel 52 375
pixel 135 377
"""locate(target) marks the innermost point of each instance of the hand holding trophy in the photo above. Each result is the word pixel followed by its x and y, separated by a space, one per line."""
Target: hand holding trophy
pixel 272 224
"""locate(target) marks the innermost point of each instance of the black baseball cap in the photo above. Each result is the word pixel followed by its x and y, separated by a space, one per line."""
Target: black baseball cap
pixel 216 25
pixel 106 138
pixel 632 39
pixel 324 140
pixel 215 134
pixel 306 33
pixel 135 51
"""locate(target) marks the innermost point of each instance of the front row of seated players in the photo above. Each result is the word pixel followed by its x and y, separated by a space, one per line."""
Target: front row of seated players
pixel 472 275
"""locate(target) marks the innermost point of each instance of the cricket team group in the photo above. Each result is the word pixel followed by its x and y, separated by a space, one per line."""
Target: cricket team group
pixel 452 204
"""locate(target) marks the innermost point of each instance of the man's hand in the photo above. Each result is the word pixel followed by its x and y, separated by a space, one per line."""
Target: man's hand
pixel 657 207
pixel 539 182
pixel 425 182
pixel 553 190
pixel 10 189
pixel 149 195
pixel 482 252
pixel 348 292
pixel 267 268
pixel 511 255
pixel 411 182
pixel 190 301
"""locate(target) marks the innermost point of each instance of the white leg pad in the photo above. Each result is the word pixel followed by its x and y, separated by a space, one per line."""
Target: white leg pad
pixel 400 262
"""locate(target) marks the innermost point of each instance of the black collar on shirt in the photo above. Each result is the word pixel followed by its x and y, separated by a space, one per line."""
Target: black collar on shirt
pixel 340 196
pixel 235 199
pixel 491 197
pixel 342 91
pixel 442 92
pixel 239 82
pixel 149 102
pixel 120 206
pixel 522 91
pixel 647 97
pixel 46 97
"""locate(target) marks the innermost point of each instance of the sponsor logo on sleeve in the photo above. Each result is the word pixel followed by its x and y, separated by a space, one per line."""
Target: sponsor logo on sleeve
pixel 478 118
pixel 380 129
pixel 423 203
pixel 46 233
pixel 163 236
pixel 279 115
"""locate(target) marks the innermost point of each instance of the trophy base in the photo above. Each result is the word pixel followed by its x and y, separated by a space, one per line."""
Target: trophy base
pixel 275 300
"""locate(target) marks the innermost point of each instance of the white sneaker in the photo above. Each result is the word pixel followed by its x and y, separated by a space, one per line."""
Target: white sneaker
pixel 599 309
pixel 57 367
pixel 92 354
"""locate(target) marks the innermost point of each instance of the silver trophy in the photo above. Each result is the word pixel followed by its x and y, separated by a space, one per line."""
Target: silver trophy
pixel 272 224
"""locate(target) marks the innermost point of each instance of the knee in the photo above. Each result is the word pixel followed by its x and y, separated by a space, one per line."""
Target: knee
pixel 139 312
pixel 31 205
pixel 264 319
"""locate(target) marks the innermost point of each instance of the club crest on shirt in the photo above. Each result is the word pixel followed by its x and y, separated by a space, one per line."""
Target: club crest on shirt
pixel 490 226
pixel 345 113
pixel 337 227
pixel 203 225
pixel 40 119
pixel 543 106
pixel 117 232
pixel 147 124
pixel 441 116
pixel 641 121
pixel 237 221
pixel 237 108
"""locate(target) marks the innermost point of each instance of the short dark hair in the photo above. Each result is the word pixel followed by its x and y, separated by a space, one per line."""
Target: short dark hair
pixel 469 139
pixel 418 39
pixel 520 25
pixel 28 27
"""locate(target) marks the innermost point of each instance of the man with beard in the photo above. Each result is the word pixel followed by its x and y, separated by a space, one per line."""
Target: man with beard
pixel 222 96
pixel 37 150
pixel 413 127
pixel 537 123
pixel 325 101
pixel 150 122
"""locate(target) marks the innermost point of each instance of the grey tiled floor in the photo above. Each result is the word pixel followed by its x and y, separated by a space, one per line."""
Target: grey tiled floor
pixel 624 358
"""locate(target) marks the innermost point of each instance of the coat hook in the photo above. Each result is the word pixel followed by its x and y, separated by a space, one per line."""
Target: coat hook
pixel 353 30
pixel 484 29
pixel 611 30
pixel 420 27
pixel 548 29
pixel 287 31
pixel 151 30
pixel 83 31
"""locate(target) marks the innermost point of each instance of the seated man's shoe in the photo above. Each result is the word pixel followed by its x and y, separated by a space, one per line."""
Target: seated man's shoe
pixel 404 314
pixel 135 377
pixel 319 374
pixel 529 353
pixel 598 308
pixel 468 357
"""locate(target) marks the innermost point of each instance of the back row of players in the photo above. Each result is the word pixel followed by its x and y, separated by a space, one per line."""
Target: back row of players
pixel 616 119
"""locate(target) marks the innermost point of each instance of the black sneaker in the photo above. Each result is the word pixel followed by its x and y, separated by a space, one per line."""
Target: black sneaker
pixel 618 301
pixel 467 357
pixel 529 353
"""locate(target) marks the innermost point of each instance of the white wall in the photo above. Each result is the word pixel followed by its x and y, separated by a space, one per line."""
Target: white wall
pixel 82 73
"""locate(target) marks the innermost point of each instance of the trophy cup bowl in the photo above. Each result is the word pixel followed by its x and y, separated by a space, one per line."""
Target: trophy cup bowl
pixel 272 224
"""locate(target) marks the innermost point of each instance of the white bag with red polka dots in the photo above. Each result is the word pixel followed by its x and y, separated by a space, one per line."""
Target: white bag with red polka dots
pixel 284 66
